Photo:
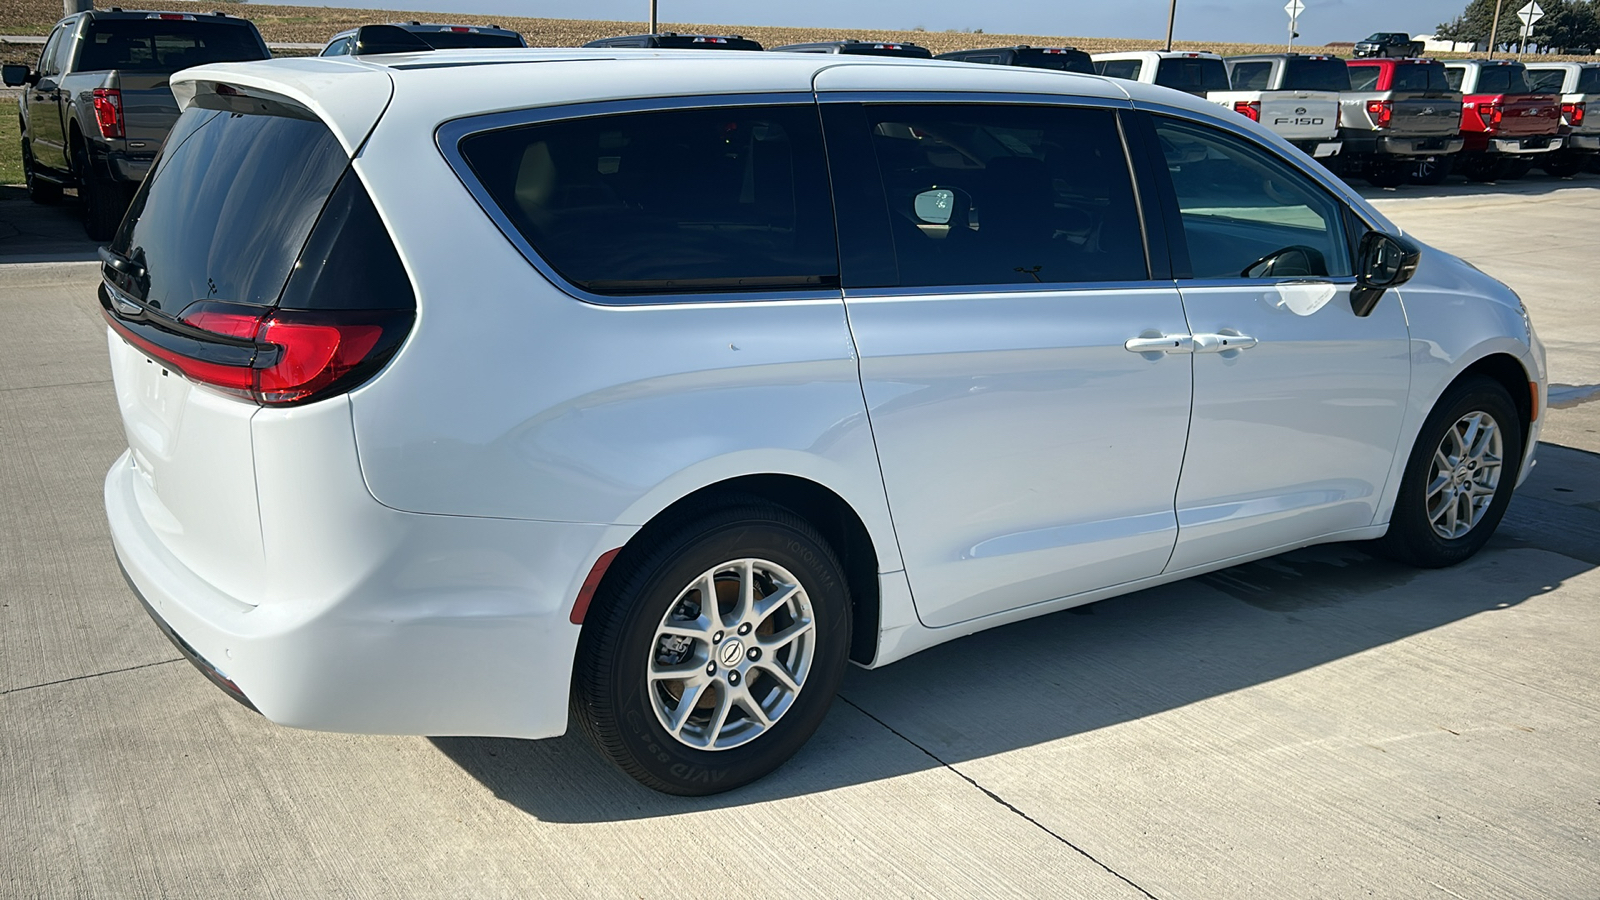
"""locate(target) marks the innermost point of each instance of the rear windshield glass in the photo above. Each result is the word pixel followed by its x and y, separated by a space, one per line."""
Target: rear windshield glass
pixel 866 49
pixel 1069 61
pixel 456 40
pixel 227 212
pixel 1589 80
pixel 1364 78
pixel 668 202
pixel 1503 80
pixel 157 45
pixel 1414 77
pixel 1547 81
pixel 1196 76
pixel 696 42
pixel 1251 76
pixel 1315 75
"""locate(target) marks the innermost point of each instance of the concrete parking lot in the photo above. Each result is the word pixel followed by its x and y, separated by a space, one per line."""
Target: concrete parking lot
pixel 1322 724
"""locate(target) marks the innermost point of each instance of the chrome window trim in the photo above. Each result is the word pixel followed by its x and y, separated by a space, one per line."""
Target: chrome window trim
pixel 449 135
pixel 1324 179
pixel 986 97
pixel 1048 287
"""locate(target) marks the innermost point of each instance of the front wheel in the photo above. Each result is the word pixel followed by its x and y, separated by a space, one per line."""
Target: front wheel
pixel 1459 477
pixel 40 191
pixel 1564 166
pixel 1387 175
pixel 714 650
pixel 1486 170
pixel 1432 171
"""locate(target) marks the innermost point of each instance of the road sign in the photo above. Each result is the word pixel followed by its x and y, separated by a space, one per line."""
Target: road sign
pixel 1530 14
pixel 1295 7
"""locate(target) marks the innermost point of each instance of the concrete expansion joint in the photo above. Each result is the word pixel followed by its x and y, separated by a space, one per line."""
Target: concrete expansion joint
pixel 29 687
pixel 997 798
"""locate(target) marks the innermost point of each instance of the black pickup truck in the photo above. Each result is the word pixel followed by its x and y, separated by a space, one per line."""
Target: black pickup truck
pixel 1396 44
pixel 98 108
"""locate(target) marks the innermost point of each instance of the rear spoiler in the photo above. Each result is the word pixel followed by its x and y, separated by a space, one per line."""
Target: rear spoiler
pixel 373 39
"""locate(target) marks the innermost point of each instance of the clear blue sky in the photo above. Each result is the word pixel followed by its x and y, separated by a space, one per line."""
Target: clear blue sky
pixel 1259 21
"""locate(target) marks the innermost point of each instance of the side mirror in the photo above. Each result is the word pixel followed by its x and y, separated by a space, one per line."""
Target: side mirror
pixel 1383 261
pixel 17 76
pixel 936 206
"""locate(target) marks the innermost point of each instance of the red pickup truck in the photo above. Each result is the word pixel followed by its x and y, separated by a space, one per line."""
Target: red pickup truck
pixel 1507 124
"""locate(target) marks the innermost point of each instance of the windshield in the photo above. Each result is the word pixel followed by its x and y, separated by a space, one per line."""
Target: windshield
pixel 1303 74
pixel 1197 76
pixel 1503 80
pixel 1382 36
pixel 457 40
pixel 162 45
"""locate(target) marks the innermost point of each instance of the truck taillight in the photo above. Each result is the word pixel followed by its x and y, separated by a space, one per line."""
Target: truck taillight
pixel 1248 108
pixel 1489 114
pixel 1573 113
pixel 108 112
pixel 1381 112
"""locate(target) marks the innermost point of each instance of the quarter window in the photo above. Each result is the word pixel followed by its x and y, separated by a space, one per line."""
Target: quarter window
pixel 1547 81
pixel 694 200
pixel 1253 76
pixel 1007 194
pixel 1119 68
pixel 1247 214
pixel 1453 77
pixel 1364 78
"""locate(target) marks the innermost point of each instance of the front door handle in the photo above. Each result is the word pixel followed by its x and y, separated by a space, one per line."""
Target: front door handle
pixel 1166 343
pixel 1222 343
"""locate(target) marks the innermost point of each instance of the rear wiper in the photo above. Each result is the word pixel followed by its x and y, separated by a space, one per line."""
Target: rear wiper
pixel 121 263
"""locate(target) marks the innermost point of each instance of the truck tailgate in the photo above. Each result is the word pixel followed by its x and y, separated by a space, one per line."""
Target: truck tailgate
pixel 148 107
pixel 1425 115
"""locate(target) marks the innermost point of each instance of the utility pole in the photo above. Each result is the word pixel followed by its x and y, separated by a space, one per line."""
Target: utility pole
pixel 653 16
pixel 76 6
pixel 1172 14
pixel 1494 29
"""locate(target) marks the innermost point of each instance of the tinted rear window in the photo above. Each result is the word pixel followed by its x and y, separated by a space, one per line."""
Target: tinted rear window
pixel 1414 77
pixel 1503 80
pixel 454 40
pixel 1364 78
pixel 1315 75
pixel 674 201
pixel 1119 68
pixel 229 207
pixel 692 42
pixel 1251 76
pixel 157 45
pixel 1197 76
pixel 1547 81
pixel 1068 61
pixel 1589 80
pixel 866 49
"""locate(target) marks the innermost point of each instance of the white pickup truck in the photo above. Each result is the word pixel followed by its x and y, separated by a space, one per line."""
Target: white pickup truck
pixel 1196 72
pixel 1579 87
pixel 1295 95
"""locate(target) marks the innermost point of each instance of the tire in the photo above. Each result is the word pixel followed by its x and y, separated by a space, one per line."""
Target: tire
pixel 1387 175
pixel 1485 171
pixel 40 191
pixel 1428 529
pixel 1432 171
pixel 1516 168
pixel 630 715
pixel 1565 167
pixel 104 201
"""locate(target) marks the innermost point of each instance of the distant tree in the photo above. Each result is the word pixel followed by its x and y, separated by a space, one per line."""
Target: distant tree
pixel 1566 23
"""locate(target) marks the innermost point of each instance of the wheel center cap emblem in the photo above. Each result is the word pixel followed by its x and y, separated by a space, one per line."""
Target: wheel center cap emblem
pixel 730 652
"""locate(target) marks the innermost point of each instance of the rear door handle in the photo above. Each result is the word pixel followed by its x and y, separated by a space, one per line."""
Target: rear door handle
pixel 1222 343
pixel 1166 343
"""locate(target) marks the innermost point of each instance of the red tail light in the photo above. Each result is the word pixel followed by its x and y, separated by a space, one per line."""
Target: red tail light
pixel 108 112
pixel 278 356
pixel 1573 113
pixel 1381 111
pixel 1248 108
pixel 1489 114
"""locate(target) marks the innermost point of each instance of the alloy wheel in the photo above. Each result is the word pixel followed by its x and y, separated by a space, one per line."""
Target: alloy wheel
pixel 1464 475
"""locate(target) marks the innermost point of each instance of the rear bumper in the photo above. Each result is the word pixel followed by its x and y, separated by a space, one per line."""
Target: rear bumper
pixel 1583 142
pixel 1525 146
pixel 125 167
pixel 1366 143
pixel 432 625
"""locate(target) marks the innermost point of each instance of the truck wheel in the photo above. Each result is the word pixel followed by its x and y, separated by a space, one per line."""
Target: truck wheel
pixel 1516 168
pixel 1432 171
pixel 1387 175
pixel 40 191
pixel 1485 171
pixel 1565 167
pixel 104 201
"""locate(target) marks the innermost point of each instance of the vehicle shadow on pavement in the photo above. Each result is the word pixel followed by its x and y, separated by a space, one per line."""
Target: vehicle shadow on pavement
pixel 30 232
pixel 1534 184
pixel 1096 666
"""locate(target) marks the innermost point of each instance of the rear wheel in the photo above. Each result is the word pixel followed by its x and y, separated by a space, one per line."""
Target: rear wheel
pixel 39 190
pixel 713 652
pixel 1485 170
pixel 104 201
pixel 1387 175
pixel 1517 168
pixel 1459 477
pixel 1564 166
pixel 1431 171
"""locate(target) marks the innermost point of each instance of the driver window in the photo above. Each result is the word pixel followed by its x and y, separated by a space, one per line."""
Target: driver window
pixel 1247 214
pixel 47 59
pixel 64 49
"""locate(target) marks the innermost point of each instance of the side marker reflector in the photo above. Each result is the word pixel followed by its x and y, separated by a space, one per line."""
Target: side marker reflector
pixel 591 583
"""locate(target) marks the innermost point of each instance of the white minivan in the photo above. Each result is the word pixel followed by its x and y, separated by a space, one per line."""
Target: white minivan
pixel 465 389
